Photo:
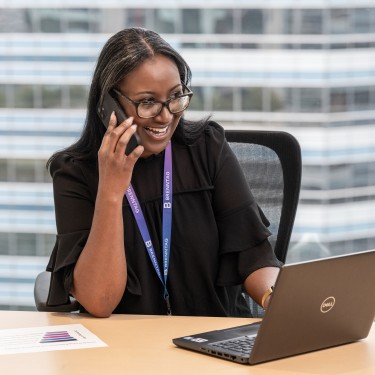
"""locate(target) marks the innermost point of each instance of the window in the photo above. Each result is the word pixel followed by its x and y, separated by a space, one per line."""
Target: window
pixel 222 99
pixel 75 20
pixel 363 174
pixel 108 21
pixel 310 99
pixel 280 99
pixel 338 100
pixel 361 20
pixel 4 243
pixel 24 96
pixel 191 21
pixel 3 97
pixel 45 244
pixel 314 177
pixel 43 96
pixel 289 21
pixel 49 20
pixel 51 96
pixel 24 170
pixel 311 21
pixel 136 17
pixel 338 45
pixel 81 20
pixel 252 21
pixel 348 246
pixel 26 244
pixel 197 101
pixel 43 173
pixel 361 100
pixel 340 176
pixel 166 20
pixel 218 21
pixel 273 21
pixel 3 170
pixel 339 21
pixel 207 95
pixel 252 99
pixel 15 21
pixel 78 96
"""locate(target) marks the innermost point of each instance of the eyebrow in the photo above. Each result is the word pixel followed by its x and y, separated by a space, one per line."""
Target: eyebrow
pixel 153 93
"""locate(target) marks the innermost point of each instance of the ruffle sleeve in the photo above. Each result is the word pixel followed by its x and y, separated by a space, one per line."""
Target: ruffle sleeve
pixel 242 226
pixel 66 251
pixel 244 246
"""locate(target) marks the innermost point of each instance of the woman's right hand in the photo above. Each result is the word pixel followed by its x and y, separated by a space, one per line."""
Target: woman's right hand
pixel 116 168
pixel 100 275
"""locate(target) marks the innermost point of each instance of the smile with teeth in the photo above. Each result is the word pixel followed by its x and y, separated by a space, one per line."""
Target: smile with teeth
pixel 157 131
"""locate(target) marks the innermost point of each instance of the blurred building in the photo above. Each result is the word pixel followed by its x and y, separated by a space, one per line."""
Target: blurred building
pixel 306 67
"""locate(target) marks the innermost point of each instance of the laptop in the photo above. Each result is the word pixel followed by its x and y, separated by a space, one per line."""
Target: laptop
pixel 315 305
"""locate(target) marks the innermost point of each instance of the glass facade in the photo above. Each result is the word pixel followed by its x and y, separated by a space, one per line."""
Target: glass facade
pixel 258 99
pixel 306 70
pixel 208 22
pixel 43 96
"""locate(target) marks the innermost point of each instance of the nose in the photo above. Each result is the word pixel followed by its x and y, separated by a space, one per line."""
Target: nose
pixel 164 116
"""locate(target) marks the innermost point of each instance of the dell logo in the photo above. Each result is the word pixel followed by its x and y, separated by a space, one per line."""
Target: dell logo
pixel 327 304
pixel 195 339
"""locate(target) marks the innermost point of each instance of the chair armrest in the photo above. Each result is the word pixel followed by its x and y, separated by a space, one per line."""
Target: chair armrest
pixel 41 290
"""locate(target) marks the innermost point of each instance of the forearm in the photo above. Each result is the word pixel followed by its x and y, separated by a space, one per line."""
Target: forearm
pixel 100 275
pixel 259 281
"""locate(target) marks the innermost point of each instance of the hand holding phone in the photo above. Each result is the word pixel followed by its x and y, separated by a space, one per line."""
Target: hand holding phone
pixel 105 110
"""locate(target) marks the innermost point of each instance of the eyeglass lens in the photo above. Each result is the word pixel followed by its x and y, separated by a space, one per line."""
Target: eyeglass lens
pixel 153 109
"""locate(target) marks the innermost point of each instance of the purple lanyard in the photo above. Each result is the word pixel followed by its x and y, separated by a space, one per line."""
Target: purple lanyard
pixel 167 223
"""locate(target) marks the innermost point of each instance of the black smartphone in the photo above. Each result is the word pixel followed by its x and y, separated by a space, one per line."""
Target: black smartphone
pixel 105 109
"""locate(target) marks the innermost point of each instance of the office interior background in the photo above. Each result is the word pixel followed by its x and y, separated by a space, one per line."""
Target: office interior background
pixel 306 67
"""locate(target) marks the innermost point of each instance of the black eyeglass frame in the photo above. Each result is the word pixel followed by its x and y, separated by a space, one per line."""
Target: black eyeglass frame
pixel 164 104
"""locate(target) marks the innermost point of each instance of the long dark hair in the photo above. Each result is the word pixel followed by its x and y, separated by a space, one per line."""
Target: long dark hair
pixel 121 54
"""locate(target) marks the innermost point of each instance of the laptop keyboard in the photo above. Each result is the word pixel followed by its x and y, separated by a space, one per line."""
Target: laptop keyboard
pixel 242 344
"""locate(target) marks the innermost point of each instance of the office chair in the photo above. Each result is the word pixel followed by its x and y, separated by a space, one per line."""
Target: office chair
pixel 41 290
pixel 271 162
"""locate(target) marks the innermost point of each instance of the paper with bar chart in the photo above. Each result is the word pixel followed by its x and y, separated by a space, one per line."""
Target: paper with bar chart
pixel 41 339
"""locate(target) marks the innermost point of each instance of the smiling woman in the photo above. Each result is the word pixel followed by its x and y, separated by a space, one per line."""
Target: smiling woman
pixel 180 242
pixel 158 101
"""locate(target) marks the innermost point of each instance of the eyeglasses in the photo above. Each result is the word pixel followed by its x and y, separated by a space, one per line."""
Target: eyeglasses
pixel 151 108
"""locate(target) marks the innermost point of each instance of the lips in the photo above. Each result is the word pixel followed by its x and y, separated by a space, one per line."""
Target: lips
pixel 156 132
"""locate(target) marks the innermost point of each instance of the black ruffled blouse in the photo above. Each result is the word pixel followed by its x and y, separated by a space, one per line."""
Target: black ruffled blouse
pixel 218 236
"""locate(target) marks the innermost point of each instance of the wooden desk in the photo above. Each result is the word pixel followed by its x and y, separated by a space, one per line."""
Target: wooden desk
pixel 143 345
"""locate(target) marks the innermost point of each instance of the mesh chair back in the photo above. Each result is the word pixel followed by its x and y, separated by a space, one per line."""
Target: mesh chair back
pixel 271 162
pixel 264 174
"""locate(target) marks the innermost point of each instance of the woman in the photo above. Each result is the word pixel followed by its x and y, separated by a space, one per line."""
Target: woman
pixel 187 235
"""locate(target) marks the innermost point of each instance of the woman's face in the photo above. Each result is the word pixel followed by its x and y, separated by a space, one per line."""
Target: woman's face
pixel 157 78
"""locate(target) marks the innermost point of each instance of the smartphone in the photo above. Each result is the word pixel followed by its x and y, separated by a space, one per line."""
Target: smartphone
pixel 105 110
